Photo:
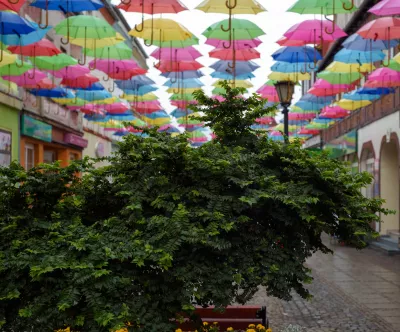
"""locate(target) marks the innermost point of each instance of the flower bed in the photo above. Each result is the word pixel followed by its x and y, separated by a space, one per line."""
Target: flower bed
pixel 214 327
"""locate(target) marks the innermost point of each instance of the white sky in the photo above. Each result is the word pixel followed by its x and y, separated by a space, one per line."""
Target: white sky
pixel 274 23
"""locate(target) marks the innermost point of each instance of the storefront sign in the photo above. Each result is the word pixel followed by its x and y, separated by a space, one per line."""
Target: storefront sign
pixel 99 149
pixel 343 145
pixel 35 128
pixel 75 140
pixel 5 148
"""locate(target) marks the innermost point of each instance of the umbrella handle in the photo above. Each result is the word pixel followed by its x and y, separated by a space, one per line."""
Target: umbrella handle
pixel 107 78
pixel 383 62
pixel 84 50
pixel 34 69
pixel 152 34
pixel 20 46
pixel 13 2
pixel 228 4
pixel 348 8
pixel 142 4
pixel 41 26
pixel 113 87
pixel 333 26
pixel 66 42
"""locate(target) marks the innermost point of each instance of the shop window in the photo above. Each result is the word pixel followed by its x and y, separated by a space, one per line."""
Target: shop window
pixel 50 156
pixel 29 156
pixel 73 156
pixel 5 148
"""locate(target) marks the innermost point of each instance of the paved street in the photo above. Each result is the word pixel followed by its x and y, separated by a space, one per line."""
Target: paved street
pixel 353 291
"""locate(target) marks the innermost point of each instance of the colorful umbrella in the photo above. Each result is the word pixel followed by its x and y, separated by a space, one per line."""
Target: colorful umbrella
pixel 386 8
pixel 237 44
pixel 82 82
pixel 237 7
pixel 185 75
pixel 11 5
pixel 7 59
pixel 26 39
pixel 85 27
pixel 314 32
pixel 119 51
pixel 179 54
pixel 352 105
pixel 354 95
pixel 339 78
pixel 15 69
pixel 71 72
pixel 323 7
pixel 384 28
pixel 232 54
pixel 358 43
pixel 352 56
pixel 242 67
pixel 53 93
pixel 383 77
pixel 27 78
pixel 294 77
pixel 341 67
pixel 284 41
pixel 43 47
pixel 180 66
pixel 230 76
pixel 55 62
pixel 296 54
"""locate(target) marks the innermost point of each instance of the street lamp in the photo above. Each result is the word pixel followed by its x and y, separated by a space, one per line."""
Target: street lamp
pixel 285 90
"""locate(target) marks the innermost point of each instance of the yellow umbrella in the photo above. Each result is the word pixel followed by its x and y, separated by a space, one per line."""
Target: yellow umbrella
pixel 147 97
pixel 161 29
pixel 8 59
pixel 93 43
pixel 157 122
pixel 294 77
pixel 238 84
pixel 8 85
pixel 106 101
pixel 341 67
pixel 242 7
pixel 184 91
pixel 352 105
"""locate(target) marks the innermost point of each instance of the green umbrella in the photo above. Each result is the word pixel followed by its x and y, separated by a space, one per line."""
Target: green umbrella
pixel 179 96
pixel 16 69
pixel 84 26
pixel 177 43
pixel 120 51
pixel 394 65
pixel 241 29
pixel 339 78
pixel 55 62
pixel 326 7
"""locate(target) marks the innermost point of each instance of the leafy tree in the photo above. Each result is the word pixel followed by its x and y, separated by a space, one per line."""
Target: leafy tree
pixel 166 226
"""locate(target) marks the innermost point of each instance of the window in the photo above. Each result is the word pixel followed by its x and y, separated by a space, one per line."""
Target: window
pixel 29 156
pixel 72 156
pixel 50 156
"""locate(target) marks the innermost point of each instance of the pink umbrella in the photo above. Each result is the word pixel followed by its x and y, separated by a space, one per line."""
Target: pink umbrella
pixel 269 120
pixel 283 41
pixel 112 65
pixel 384 28
pixel 383 77
pixel 116 108
pixel 324 88
pixel 314 31
pixel 266 89
pixel 176 54
pixel 334 112
pixel 386 8
pixel 71 72
pixel 218 97
pixel 45 83
pixel 301 116
pixel 27 78
pixel 239 55
pixel 238 44
pixel 305 131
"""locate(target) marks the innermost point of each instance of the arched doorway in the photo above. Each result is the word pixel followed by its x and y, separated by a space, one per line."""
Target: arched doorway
pixel 389 180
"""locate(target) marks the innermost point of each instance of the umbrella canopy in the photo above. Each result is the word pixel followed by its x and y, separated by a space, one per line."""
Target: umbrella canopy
pixel 243 29
pixel 113 65
pixel 313 31
pixel 334 112
pixel 341 67
pixel 26 39
pixel 176 43
pixel 13 24
pixel 93 95
pixel 27 78
pixel 352 56
pixel 119 51
pixel 166 67
pixel 178 54
pixel 68 6
pixel 82 82
pixel 384 28
pixel 386 8
pixel 358 43
pixel 242 7
pixel 238 55
pixel 237 44
pixel 71 72
pixel 153 6
pixel 43 47
pixel 184 75
pixel 352 105
pixel 284 41
pixel 296 54
pixel 15 69
pixel 339 78
pixel 161 29
pixel 374 91
pixel 55 62
pixel 287 67
pixel 354 95
pixel 242 67
pixel 92 43
pixel 11 5
pixel 53 93
pixel 383 77
pixel 94 86
pixel 326 7
pixel 188 83
pixel 7 59
pixel 294 77
pixel 230 76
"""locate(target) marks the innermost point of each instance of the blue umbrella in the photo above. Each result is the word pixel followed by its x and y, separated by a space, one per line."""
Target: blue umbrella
pixel 295 54
pixel 299 123
pixel 351 56
pixel 358 43
pixel 323 120
pixel 180 113
pixel 13 24
pixel 316 99
pixel 26 39
pixel 287 67
pixel 95 117
pixel 305 105
pixel 184 75
pixel 170 129
pixel 228 76
pixel 94 87
pixel 134 83
pixel 242 67
pixel 140 91
pixel 157 115
pixel 375 91
pixel 66 6
pixel 93 95
pixel 357 96
pixel 53 93
pixel 189 83
pixel 195 128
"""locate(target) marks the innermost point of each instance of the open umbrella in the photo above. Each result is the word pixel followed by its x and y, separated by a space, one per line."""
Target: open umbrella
pixel 86 27
pixel 15 69
pixel 352 105
pixel 82 82
pixel 185 75
pixel 179 54
pixel 237 44
pixel 238 55
pixel 242 67
pixel 358 43
pixel 14 5
pixel 230 76
pixel 65 6
pixel 180 66
pixel 71 72
pixel 7 59
pixel 55 62
pixel 339 78
pixel 386 8
pixel 284 41
pixel 27 79
pixel 293 77
pixel 323 7
pixel 383 77
pixel 353 56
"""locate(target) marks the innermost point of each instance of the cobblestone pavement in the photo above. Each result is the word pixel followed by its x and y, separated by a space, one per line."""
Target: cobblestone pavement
pixel 353 291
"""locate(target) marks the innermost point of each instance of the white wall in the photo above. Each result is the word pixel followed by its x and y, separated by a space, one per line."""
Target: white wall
pixel 93 143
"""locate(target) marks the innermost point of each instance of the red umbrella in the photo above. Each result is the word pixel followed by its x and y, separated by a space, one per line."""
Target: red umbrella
pixel 301 116
pixel 152 6
pixel 11 5
pixel 286 42
pixel 82 82
pixel 45 83
pixel 71 72
pixel 238 55
pixel 166 67
pixel 305 131
pixel 127 74
pixel 384 28
pixel 43 47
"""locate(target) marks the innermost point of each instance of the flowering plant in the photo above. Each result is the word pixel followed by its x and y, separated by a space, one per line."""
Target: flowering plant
pixel 214 327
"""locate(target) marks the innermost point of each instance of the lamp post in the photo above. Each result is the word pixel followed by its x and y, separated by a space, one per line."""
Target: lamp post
pixel 285 90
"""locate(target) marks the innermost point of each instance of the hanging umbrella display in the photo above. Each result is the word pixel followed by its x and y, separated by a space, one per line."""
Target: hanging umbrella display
pixel 15 69
pixel 231 54
pixel 386 8
pixel 323 7
pixel 358 43
pixel 179 54
pixel 296 54
pixel 352 105
pixel 27 79
pixel 342 67
pixel 71 72
pixel 352 56
pixel 55 62
pixel 382 77
pixel 65 6
pixel 119 51
pixel 287 67
pixel 237 44
pixel 13 5
pixel 86 27
pixel 82 82
pixel 314 32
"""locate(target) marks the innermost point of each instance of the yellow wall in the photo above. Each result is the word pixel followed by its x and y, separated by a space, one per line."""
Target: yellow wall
pixel 9 121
